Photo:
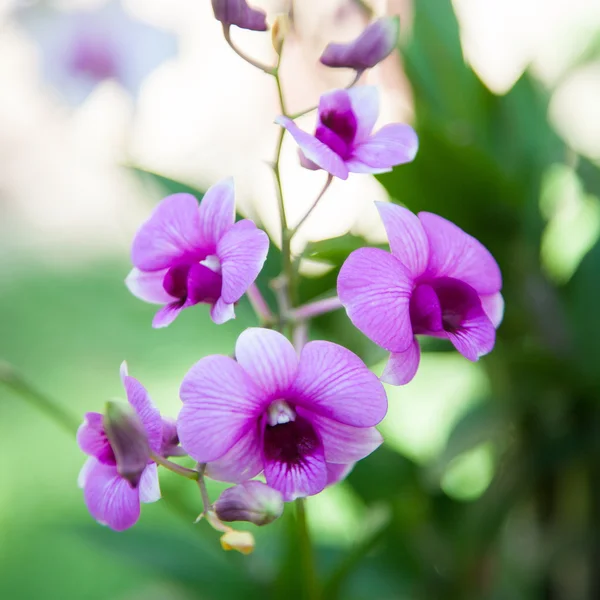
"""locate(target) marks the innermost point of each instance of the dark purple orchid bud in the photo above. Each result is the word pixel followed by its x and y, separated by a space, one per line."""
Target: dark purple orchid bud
pixel 128 440
pixel 374 44
pixel 252 501
pixel 237 12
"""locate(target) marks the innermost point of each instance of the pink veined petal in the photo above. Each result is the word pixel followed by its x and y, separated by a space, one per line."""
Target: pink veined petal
pixel 392 145
pixel 305 478
pixel 110 499
pixel 306 163
pixel 335 383
pixel 269 359
pixel 88 465
pixel 314 150
pixel 401 367
pixel 92 439
pixel 171 233
pixel 454 253
pixel 221 312
pixel 242 462
pixel 493 305
pixel 148 286
pixel 220 405
pixel 365 105
pixel 475 337
pixel 149 415
pixel 407 238
pixel 167 314
pixel 336 473
pixel 149 487
pixel 355 166
pixel 344 443
pixel 242 252
pixel 217 211
pixel 375 289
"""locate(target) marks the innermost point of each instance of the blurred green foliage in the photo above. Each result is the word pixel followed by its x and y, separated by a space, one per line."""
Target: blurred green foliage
pixel 532 533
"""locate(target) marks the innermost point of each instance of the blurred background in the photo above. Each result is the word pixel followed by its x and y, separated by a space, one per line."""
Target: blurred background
pixel 488 485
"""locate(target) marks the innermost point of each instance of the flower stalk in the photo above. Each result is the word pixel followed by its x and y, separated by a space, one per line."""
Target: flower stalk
pixel 306 551
pixel 174 467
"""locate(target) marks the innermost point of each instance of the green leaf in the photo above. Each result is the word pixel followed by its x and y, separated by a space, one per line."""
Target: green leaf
pixel 335 250
pixel 166 184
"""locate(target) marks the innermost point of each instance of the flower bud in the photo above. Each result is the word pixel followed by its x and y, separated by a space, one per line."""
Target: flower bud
pixel 237 12
pixel 242 541
pixel 128 441
pixel 374 44
pixel 279 30
pixel 252 501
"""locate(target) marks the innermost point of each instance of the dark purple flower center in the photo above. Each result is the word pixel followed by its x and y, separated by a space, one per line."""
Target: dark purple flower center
pixel 92 56
pixel 288 438
pixel 337 129
pixel 193 283
pixel 442 304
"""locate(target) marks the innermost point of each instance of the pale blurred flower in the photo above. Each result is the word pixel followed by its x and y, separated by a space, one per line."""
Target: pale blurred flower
pixel 82 48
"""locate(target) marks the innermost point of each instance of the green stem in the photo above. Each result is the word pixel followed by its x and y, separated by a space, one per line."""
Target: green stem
pixel 306 552
pixel 171 466
pixel 313 206
pixel 202 485
pixel 244 56
pixel 11 378
pixel 286 252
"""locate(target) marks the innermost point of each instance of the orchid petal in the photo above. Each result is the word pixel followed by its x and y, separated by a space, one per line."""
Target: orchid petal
pixel 148 286
pixel 172 233
pixel 375 289
pixel 217 212
pixel 110 499
pixel 365 106
pixel 335 383
pixel 493 305
pixel 242 462
pixel 140 400
pixel 454 253
pixel 401 367
pixel 242 252
pixel 392 145
pixel 407 238
pixel 336 473
pixel 314 150
pixel 149 485
pixel 221 312
pixel 269 359
pixel 92 439
pixel 220 404
pixel 167 314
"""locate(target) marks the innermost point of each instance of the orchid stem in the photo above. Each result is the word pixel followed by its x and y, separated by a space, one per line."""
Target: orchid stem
pixel 306 552
pixel 11 378
pixel 202 485
pixel 171 466
pixel 259 304
pixel 315 309
pixel 286 252
pixel 264 68
pixel 313 206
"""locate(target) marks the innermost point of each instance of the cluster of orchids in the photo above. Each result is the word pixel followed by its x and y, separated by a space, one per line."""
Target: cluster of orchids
pixel 297 414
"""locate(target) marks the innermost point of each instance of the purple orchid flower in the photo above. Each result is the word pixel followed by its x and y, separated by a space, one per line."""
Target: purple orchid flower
pixel 437 281
pixel 300 420
pixel 344 143
pixel 374 44
pixel 112 489
pixel 184 255
pixel 237 12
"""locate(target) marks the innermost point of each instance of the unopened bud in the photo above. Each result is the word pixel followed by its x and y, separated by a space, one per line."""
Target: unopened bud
pixel 237 12
pixel 242 541
pixel 374 44
pixel 128 441
pixel 281 27
pixel 252 501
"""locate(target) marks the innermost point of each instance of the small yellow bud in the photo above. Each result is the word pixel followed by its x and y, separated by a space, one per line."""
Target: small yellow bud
pixel 281 27
pixel 242 541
